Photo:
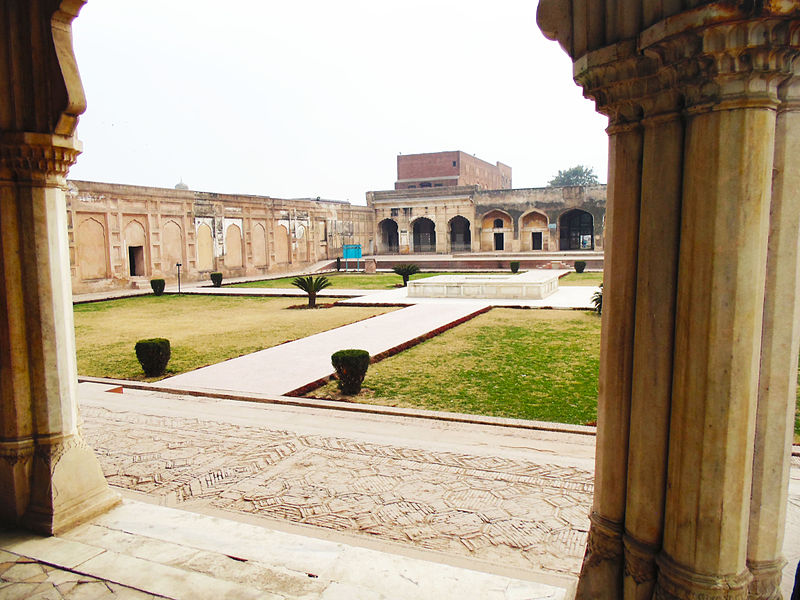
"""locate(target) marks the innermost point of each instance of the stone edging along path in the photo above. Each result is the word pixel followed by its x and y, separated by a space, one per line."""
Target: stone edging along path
pixel 390 411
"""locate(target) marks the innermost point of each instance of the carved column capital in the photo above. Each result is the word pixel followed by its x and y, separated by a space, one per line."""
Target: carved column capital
pixel 37 158
pixel 720 66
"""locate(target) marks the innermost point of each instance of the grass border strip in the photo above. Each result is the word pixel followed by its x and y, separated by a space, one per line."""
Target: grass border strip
pixel 375 409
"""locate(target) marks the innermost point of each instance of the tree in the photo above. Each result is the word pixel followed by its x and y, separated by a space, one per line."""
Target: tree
pixel 579 175
pixel 406 271
pixel 311 286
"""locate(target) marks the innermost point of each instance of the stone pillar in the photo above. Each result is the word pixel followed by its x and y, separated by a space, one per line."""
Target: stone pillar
pixel 50 480
pixel 779 349
pixel 709 396
pixel 601 572
pixel 659 239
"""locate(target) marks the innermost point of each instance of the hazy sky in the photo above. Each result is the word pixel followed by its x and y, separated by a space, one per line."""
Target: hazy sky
pixel 306 98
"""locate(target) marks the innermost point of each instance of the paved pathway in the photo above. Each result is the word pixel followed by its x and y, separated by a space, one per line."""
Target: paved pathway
pixel 285 368
pixel 517 499
pixel 497 497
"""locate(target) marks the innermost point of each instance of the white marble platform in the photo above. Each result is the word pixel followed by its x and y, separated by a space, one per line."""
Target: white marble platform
pixel 531 285
pixel 141 549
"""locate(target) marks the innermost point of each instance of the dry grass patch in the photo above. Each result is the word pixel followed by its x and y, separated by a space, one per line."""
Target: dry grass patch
pixel 202 330
pixel 528 364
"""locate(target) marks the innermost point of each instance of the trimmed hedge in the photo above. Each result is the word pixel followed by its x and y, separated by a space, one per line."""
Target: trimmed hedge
pixel 580 265
pixel 351 368
pixel 158 286
pixel 515 266
pixel 216 279
pixel 153 355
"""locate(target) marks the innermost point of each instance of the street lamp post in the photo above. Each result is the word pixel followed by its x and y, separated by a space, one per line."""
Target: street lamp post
pixel 179 276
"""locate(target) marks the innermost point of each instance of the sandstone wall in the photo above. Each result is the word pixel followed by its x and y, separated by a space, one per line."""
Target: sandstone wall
pixel 119 234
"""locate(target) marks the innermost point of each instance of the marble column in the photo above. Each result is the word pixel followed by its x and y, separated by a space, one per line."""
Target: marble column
pixel 50 479
pixel 730 140
pixel 659 240
pixel 779 349
pixel 716 318
pixel 601 573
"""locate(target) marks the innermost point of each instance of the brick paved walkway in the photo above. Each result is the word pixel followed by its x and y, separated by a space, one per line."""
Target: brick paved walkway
pixel 451 488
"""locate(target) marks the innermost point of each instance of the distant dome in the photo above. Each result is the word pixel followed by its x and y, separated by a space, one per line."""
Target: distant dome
pixel 181 186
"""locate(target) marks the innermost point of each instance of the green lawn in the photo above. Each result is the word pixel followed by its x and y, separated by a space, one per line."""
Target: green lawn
pixel 202 329
pixel 592 279
pixel 528 364
pixel 355 281
pixel 384 281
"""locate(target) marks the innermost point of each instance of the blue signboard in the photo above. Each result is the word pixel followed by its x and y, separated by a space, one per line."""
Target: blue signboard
pixel 351 251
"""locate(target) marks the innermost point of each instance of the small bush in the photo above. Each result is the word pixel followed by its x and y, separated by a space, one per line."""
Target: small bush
pixel 216 279
pixel 515 266
pixel 351 368
pixel 580 265
pixel 158 286
pixel 311 286
pixel 153 355
pixel 406 271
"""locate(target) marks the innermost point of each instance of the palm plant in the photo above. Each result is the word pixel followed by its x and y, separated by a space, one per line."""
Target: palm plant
pixel 312 286
pixel 405 271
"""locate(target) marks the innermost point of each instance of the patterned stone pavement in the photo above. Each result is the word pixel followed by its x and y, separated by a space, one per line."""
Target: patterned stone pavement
pixel 508 511
pixel 25 579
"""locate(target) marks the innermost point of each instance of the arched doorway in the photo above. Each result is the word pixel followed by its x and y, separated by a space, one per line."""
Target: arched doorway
pixel 424 235
pixel 577 230
pixel 495 225
pixel 534 231
pixel 460 234
pixel 390 240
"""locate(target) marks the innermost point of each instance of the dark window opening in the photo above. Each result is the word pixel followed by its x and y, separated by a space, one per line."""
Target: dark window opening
pixel 536 240
pixel 425 184
pixel 498 223
pixel 454 163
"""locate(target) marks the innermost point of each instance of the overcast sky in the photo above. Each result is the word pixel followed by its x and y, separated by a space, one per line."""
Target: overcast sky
pixel 306 98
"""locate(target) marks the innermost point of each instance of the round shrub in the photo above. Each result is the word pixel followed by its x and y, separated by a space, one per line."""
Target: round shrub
pixel 158 286
pixel 515 266
pixel 216 279
pixel 351 367
pixel 580 265
pixel 153 355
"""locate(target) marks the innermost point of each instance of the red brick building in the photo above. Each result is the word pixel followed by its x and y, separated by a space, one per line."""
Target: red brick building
pixel 446 169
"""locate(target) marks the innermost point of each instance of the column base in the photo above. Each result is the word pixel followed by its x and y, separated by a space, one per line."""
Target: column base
pixel 641 571
pixel 766 583
pixel 15 475
pixel 601 572
pixel 676 582
pixel 67 486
